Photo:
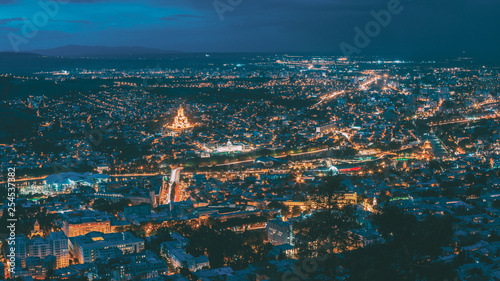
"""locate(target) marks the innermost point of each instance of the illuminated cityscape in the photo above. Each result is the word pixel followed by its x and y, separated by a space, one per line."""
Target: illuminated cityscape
pixel 180 121
pixel 249 140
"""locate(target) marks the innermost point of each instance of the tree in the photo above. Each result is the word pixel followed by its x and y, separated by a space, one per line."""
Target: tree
pixel 496 204
pixel 328 194
pixel 112 208
pixel 410 246
pixel 470 178
pixel 285 210
pixel 434 165
pixel 296 211
pixel 184 271
pixel 474 191
pixel 328 230
pixel 227 248
pixel 49 274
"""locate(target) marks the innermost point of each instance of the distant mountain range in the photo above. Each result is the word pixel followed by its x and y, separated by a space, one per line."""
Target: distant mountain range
pixel 20 55
pixel 101 51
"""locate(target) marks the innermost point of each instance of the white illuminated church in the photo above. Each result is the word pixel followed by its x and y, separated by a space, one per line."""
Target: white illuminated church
pixel 180 121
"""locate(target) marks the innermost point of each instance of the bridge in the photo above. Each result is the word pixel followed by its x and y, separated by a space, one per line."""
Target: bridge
pixel 465 120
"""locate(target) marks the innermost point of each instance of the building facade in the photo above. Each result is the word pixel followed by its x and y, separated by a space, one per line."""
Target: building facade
pixel 279 232
pixel 51 251
pixel 85 247
pixel 82 226
pixel 176 254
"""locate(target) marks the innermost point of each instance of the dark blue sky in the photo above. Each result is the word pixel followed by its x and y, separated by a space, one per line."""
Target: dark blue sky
pixel 423 28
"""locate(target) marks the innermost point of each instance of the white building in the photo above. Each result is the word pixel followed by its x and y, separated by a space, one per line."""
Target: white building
pixel 64 182
pixel 85 247
pixel 174 251
pixel 56 244
pixel 233 148
pixel 279 232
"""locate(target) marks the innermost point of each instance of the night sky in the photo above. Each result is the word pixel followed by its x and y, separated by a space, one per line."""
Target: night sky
pixel 423 27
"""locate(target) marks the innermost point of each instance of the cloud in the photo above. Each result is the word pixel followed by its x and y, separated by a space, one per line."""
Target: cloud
pixel 6 2
pixel 5 21
pixel 73 21
pixel 180 16
pixel 188 16
pixel 85 1
pixel 8 28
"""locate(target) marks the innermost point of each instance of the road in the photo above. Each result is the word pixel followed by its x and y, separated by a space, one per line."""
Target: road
pixel 440 150
pixel 327 97
pixel 333 95
pixel 278 157
pixel 174 179
pixel 465 120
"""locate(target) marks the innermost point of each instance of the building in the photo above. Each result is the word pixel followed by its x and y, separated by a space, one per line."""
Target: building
pixel 59 248
pixel 174 251
pixel 326 129
pixel 368 237
pixel 76 271
pixel 269 161
pixel 348 198
pixel 65 182
pixel 39 266
pixel 21 250
pixel 49 253
pixel 136 266
pixel 36 230
pixel 2 271
pixel 85 247
pixel 148 266
pixel 106 254
pixel 279 232
pixel 232 148
pixel 101 168
pixel 142 210
pixel 82 223
pixel 342 198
